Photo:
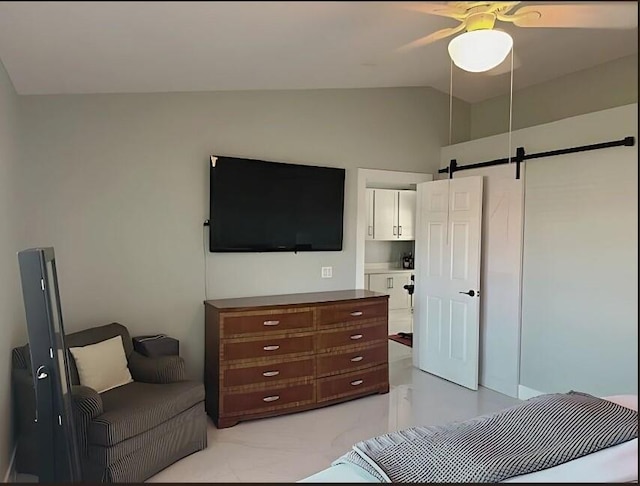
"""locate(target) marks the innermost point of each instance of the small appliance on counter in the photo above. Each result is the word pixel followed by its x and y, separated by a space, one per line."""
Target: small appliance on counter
pixel 407 261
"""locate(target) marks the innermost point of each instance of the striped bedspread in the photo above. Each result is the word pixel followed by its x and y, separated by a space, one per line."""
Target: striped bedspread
pixel 540 433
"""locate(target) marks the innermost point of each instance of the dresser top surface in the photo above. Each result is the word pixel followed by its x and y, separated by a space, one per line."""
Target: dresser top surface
pixel 293 299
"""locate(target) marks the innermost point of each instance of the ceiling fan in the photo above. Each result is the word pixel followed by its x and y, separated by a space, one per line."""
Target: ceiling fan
pixel 482 47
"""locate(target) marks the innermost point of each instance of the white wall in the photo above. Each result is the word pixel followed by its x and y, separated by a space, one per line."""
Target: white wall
pixel 12 327
pixel 607 85
pixel 579 290
pixel 118 184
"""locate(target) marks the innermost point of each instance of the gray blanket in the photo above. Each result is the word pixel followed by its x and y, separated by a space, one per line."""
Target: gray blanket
pixel 537 434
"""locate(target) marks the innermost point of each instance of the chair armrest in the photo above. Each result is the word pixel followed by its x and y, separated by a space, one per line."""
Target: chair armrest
pixel 87 405
pixel 163 369
pixel 86 401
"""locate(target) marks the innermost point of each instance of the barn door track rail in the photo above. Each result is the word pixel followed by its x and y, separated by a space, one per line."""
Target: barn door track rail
pixel 521 156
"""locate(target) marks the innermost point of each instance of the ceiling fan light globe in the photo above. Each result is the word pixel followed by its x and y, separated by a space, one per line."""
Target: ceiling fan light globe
pixel 480 50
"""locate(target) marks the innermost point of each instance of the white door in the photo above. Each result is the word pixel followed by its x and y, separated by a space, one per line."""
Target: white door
pixel 447 286
pixel 370 198
pixel 406 214
pixel 385 213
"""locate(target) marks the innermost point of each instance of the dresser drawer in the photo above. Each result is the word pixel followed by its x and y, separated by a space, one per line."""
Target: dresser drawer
pixel 352 312
pixel 262 323
pixel 352 336
pixel 266 347
pixel 355 383
pixel 270 399
pixel 268 373
pixel 334 363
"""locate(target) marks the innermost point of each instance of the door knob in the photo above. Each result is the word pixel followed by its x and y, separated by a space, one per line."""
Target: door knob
pixel 471 293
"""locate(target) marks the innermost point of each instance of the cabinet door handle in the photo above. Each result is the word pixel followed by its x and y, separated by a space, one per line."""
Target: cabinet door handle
pixel 270 323
pixel 357 382
pixel 355 359
pixel 356 313
pixel 399 230
pixel 394 230
pixel 272 398
pixel 370 230
pixel 355 337
pixel 271 348
pixel 271 373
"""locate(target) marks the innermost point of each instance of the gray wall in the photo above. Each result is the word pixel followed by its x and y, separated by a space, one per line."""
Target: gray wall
pixel 605 86
pixel 580 263
pixel 12 330
pixel 118 184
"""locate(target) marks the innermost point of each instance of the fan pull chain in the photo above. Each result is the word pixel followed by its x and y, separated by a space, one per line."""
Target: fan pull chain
pixel 509 158
pixel 450 100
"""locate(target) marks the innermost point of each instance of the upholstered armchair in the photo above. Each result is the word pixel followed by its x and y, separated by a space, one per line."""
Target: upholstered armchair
pixel 128 433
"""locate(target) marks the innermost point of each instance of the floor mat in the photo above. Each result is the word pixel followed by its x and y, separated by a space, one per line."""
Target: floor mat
pixel 402 340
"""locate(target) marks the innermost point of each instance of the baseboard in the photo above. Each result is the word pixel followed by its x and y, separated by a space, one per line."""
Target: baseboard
pixel 524 392
pixel 10 475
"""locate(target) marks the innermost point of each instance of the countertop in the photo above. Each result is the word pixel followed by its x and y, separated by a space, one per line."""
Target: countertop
pixel 389 269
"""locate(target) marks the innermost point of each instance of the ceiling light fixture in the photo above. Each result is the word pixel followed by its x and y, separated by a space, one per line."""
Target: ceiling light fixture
pixel 480 50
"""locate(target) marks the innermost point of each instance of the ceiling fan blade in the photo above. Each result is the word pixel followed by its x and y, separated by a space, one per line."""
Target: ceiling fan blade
pixel 452 10
pixel 437 35
pixel 502 7
pixel 606 15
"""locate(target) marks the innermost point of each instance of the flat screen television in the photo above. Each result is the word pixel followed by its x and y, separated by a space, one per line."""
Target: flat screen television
pixel 261 206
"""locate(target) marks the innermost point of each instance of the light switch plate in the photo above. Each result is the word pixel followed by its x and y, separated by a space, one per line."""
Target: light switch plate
pixel 327 272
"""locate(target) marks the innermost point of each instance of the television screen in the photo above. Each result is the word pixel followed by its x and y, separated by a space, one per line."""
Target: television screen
pixel 258 206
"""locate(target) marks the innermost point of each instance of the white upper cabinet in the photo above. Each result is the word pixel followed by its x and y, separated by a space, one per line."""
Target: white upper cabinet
pixel 369 233
pixel 406 214
pixel 391 214
pixel 385 216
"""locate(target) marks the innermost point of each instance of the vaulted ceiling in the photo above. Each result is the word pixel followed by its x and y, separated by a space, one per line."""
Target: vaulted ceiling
pixel 115 47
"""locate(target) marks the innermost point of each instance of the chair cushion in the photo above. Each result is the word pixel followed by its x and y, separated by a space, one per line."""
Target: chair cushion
pixel 137 407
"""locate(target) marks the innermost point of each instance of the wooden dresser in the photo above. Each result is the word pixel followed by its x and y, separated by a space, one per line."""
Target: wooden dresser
pixel 271 355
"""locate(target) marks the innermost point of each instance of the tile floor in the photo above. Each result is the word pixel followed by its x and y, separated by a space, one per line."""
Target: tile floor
pixel 291 447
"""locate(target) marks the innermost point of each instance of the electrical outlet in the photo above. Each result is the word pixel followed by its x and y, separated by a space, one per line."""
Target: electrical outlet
pixel 327 272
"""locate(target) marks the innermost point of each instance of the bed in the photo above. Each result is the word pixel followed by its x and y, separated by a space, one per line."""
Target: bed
pixel 618 463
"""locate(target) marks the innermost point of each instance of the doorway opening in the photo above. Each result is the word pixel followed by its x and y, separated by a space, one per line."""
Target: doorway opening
pixel 385 247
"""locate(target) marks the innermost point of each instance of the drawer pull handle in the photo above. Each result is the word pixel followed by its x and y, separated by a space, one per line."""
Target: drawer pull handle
pixel 271 398
pixel 357 382
pixel 355 359
pixel 271 348
pixel 270 323
pixel 355 337
pixel 271 373
pixel 356 313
